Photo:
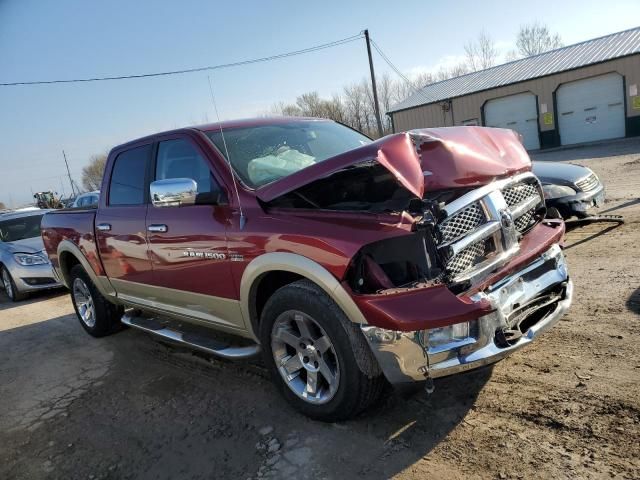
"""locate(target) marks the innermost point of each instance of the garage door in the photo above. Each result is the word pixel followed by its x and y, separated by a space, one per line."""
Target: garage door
pixel 517 112
pixel 591 109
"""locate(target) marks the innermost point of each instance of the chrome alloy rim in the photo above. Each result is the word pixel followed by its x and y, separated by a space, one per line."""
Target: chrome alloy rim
pixel 305 357
pixel 6 281
pixel 84 303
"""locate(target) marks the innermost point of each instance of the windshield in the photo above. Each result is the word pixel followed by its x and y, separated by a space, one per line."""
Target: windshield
pixel 20 228
pixel 262 154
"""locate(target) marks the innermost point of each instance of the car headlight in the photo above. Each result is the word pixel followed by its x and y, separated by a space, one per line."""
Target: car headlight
pixel 451 334
pixel 30 259
pixel 557 191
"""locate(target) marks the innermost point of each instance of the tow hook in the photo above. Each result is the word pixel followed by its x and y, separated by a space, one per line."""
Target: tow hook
pixel 429 387
pixel 425 370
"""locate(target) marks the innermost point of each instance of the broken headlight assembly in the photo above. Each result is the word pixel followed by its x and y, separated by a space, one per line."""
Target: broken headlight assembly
pixel 406 261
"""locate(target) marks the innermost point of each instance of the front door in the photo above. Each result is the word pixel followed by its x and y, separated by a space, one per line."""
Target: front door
pixel 188 244
pixel 121 224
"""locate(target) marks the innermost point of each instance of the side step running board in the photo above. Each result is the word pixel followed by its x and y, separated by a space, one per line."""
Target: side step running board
pixel 199 342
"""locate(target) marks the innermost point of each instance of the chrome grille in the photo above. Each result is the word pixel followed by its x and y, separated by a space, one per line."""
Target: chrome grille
pixel 588 183
pixel 523 221
pixel 467 258
pixel 520 194
pixel 516 194
pixel 463 222
pixel 482 228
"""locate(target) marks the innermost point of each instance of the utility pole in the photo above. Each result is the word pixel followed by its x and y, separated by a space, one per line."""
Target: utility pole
pixel 68 173
pixel 373 84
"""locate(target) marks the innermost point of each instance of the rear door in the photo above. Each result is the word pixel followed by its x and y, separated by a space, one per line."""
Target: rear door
pixel 188 244
pixel 120 223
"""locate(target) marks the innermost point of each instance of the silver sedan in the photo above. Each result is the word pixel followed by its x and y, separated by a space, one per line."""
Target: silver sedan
pixel 24 266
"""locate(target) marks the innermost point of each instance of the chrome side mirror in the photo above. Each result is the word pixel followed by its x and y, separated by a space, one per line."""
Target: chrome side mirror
pixel 173 192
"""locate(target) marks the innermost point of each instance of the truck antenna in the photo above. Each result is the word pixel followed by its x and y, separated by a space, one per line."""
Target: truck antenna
pixel 243 219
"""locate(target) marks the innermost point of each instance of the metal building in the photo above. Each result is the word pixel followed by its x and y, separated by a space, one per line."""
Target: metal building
pixel 580 93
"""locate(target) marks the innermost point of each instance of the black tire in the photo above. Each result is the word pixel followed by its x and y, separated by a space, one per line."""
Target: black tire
pixel 13 293
pixel 107 315
pixel 356 389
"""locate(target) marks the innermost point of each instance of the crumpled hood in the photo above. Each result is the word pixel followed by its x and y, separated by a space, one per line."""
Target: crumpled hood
pixel 28 245
pixel 424 160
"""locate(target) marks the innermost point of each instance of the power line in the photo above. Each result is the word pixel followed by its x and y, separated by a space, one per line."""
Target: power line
pixel 323 46
pixel 398 72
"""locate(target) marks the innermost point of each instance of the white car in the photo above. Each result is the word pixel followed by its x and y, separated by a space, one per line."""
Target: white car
pixel 89 199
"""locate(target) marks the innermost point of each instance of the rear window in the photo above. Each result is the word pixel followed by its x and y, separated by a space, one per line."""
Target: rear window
pixel 127 177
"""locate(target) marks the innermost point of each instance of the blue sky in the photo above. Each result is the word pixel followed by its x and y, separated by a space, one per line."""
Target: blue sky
pixel 72 38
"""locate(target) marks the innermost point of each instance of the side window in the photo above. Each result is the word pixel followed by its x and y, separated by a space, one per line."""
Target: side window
pixel 180 159
pixel 127 177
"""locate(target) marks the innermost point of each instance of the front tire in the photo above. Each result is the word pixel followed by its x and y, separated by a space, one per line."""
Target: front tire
pixel 310 346
pixel 97 315
pixel 10 286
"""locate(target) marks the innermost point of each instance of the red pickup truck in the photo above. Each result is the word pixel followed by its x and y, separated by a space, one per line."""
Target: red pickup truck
pixel 347 262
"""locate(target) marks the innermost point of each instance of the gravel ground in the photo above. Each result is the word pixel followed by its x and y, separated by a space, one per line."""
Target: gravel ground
pixel 128 406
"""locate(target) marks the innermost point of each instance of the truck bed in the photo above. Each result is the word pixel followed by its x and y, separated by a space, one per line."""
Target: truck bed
pixel 75 226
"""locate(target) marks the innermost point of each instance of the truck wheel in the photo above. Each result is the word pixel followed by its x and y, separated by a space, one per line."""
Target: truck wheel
pixel 10 287
pixel 97 315
pixel 310 346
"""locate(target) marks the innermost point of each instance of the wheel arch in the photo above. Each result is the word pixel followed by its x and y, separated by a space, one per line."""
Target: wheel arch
pixel 70 255
pixel 283 268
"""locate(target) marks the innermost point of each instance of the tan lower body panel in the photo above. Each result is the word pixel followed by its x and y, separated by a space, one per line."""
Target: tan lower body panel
pixel 216 312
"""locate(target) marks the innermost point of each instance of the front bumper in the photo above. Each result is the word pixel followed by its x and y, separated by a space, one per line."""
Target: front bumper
pixel 579 203
pixel 535 297
pixel 33 277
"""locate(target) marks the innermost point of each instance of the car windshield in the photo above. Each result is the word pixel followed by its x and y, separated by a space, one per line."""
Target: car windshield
pixel 263 154
pixel 20 228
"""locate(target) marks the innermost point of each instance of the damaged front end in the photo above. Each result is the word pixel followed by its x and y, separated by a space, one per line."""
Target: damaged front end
pixel 481 272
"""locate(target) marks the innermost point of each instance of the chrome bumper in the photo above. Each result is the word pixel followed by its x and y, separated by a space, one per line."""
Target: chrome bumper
pixel 405 356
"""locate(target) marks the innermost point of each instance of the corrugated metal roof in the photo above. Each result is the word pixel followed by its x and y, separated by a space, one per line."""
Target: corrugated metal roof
pixel 566 58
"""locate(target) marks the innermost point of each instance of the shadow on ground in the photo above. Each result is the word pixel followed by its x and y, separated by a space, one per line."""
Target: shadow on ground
pixel 6 304
pixel 127 406
pixel 633 302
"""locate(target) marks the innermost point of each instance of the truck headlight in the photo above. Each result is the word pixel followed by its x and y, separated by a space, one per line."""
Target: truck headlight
pixel 30 259
pixel 450 336
pixel 557 191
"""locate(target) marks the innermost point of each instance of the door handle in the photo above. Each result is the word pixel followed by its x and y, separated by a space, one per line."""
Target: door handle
pixel 159 228
pixel 104 227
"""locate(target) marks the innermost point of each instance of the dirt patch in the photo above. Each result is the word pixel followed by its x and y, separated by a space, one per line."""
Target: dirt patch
pixel 127 406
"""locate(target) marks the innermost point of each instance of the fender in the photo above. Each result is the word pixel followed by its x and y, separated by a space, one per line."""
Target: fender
pixel 101 282
pixel 303 266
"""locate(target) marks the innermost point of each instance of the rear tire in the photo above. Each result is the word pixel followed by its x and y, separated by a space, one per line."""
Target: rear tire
pixel 308 340
pixel 97 315
pixel 10 286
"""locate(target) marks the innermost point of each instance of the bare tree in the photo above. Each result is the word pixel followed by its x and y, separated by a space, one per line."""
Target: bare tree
pixel 355 101
pixel 481 53
pixel 2 206
pixel 535 38
pixel 511 55
pixel 92 173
